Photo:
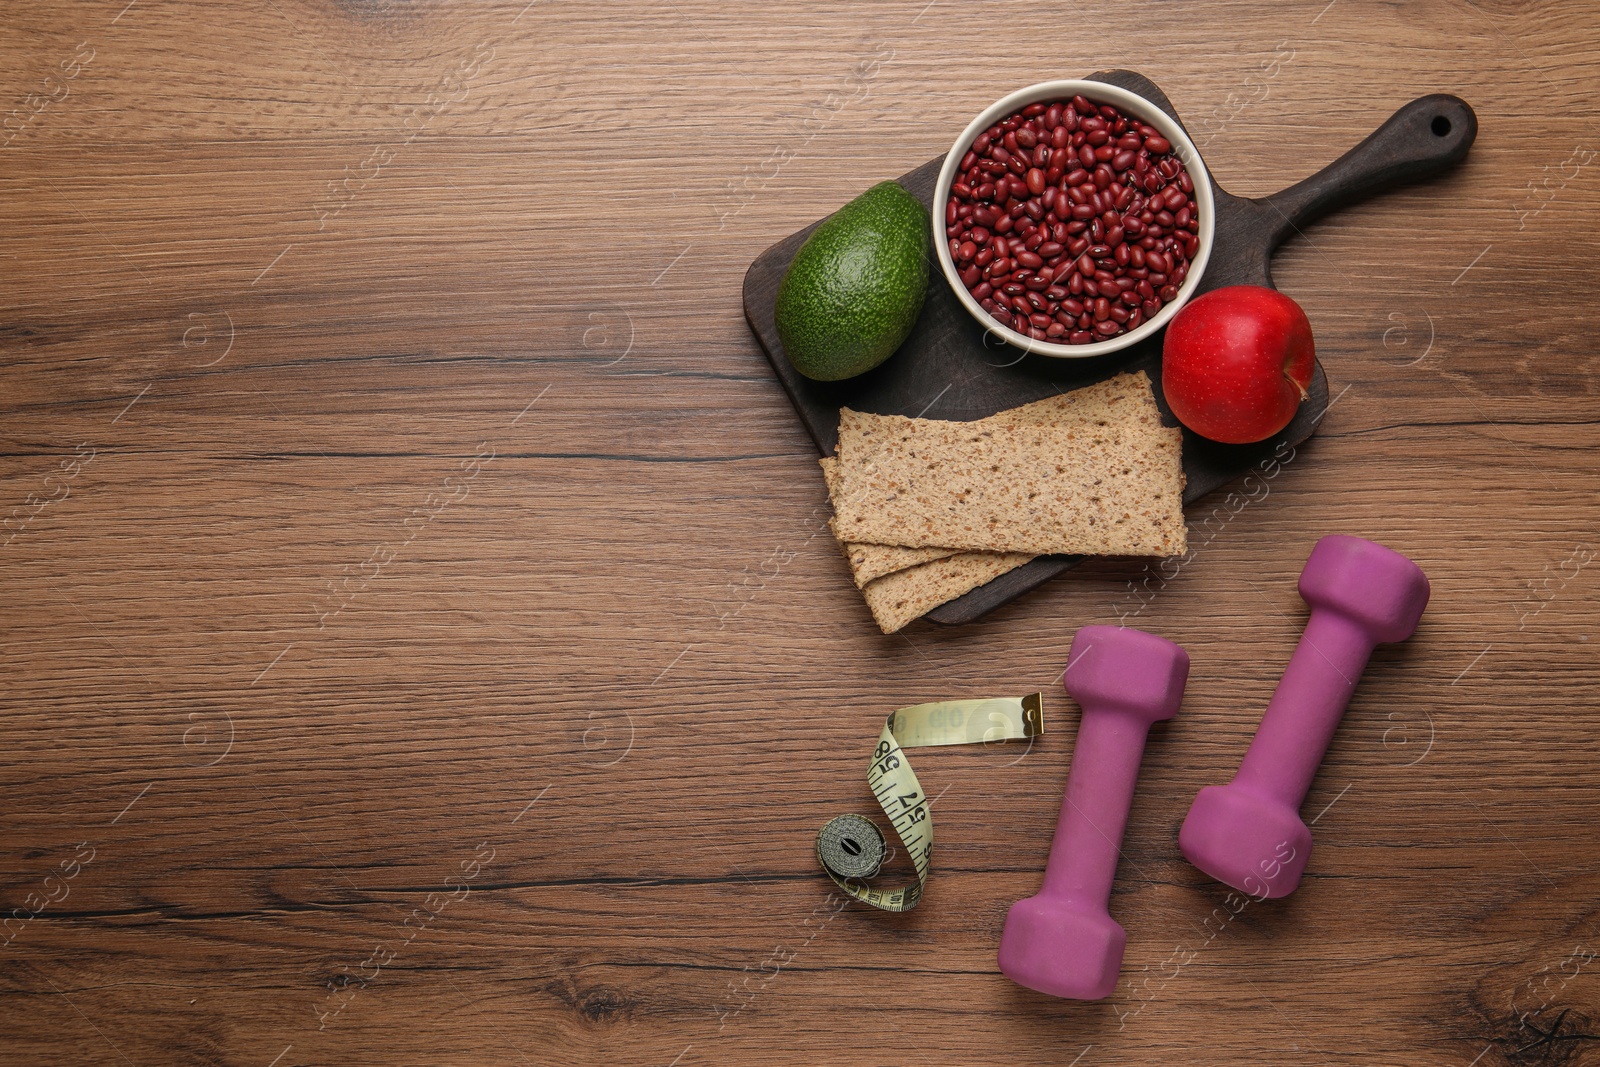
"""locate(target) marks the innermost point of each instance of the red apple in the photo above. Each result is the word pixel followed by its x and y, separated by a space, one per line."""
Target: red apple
pixel 1237 362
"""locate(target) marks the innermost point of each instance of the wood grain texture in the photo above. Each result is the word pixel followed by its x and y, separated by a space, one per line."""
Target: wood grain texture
pixel 423 642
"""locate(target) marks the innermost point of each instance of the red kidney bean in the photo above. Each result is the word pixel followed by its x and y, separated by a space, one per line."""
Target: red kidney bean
pixel 1060 216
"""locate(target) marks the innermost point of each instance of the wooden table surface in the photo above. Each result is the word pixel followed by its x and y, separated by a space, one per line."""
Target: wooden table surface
pixel 423 642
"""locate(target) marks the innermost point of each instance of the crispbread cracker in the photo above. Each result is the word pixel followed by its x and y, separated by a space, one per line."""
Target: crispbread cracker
pixel 874 561
pixel 1124 396
pixel 898 598
pixel 1099 488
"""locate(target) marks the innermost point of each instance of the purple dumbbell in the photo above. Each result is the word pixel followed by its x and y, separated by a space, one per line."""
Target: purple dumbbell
pixel 1248 833
pixel 1064 941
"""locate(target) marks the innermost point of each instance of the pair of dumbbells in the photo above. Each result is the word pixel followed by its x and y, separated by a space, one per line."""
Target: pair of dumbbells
pixel 1247 833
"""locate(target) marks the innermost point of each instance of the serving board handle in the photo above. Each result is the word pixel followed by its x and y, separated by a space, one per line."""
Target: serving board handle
pixel 1427 136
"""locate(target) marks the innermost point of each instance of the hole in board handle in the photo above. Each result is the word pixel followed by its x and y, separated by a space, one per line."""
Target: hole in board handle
pixel 1441 126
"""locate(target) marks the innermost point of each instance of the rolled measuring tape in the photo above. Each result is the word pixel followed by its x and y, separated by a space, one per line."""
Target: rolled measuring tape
pixel 851 847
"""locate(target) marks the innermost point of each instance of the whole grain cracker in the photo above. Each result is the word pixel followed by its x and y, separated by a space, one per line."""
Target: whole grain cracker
pixel 898 598
pixel 1102 488
pixel 1123 397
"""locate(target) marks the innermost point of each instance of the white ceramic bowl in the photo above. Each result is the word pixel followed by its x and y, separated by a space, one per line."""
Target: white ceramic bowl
pixel 1130 103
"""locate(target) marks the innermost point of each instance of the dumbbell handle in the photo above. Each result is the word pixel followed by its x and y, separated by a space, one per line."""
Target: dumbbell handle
pixel 1094 812
pixel 1305 710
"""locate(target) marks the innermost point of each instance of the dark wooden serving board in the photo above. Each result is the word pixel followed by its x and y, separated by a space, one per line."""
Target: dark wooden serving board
pixel 949 368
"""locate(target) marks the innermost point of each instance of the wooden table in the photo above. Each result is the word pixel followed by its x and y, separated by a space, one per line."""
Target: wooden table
pixel 424 643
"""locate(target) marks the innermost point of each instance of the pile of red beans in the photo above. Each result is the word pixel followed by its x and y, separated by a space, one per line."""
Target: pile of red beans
pixel 1072 222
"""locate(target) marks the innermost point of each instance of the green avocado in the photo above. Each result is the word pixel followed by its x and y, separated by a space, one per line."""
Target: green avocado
pixel 853 291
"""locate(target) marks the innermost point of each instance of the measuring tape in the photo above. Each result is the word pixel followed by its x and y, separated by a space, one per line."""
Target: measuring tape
pixel 851 847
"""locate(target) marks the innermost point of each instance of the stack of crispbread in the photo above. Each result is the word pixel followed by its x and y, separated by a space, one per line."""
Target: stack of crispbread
pixel 927 511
